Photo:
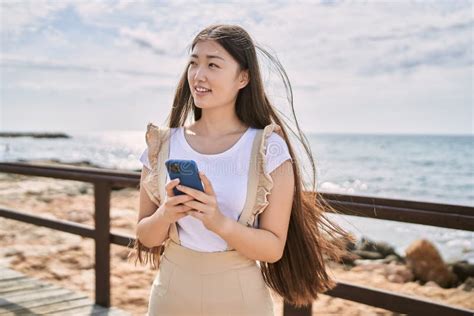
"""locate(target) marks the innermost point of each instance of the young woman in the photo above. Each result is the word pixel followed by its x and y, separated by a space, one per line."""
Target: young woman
pixel 253 228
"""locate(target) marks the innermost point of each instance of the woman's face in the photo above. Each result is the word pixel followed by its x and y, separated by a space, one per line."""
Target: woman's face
pixel 211 67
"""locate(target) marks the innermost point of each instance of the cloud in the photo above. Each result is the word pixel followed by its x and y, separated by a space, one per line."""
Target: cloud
pixel 334 52
pixel 18 17
pixel 144 38
pixel 52 65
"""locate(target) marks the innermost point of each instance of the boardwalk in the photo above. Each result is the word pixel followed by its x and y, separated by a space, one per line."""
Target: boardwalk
pixel 23 295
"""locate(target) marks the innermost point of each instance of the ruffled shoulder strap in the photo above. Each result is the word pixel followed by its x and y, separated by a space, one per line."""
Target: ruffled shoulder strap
pixel 157 140
pixel 265 182
pixel 260 184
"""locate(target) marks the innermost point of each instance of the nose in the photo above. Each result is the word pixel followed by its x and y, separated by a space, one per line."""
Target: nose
pixel 199 74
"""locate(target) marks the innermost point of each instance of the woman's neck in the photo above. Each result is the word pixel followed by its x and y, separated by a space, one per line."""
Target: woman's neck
pixel 218 125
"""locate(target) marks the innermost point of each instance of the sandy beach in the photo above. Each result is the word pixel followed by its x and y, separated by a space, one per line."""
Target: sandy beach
pixel 68 260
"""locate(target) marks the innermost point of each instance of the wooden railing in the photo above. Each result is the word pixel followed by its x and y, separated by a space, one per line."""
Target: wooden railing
pixel 433 214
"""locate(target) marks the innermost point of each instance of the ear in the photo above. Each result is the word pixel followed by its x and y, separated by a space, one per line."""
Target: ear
pixel 243 78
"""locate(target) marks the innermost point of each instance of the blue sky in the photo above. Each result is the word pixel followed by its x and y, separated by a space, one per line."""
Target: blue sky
pixel 355 66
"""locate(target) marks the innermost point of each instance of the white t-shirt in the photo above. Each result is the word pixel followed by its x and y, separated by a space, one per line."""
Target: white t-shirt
pixel 228 174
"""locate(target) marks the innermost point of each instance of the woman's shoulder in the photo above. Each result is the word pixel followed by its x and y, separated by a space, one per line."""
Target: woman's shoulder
pixel 274 147
pixel 273 132
pixel 158 126
pixel 275 137
pixel 156 135
pixel 158 130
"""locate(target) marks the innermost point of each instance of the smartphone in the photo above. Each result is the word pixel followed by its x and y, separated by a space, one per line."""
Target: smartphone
pixel 187 172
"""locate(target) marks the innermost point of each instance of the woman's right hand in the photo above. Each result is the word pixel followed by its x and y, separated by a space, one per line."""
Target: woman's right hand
pixel 172 209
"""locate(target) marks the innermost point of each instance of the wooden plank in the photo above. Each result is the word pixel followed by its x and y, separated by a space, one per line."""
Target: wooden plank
pixel 9 283
pixel 23 286
pixel 59 306
pixel 30 296
pixel 81 310
pixel 393 301
pixel 56 224
pixel 14 308
pixel 112 312
pixel 32 292
pixel 84 174
pixel 9 273
pixel 23 295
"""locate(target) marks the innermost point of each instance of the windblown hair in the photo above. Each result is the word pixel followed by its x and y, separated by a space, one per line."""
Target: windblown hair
pixel 301 272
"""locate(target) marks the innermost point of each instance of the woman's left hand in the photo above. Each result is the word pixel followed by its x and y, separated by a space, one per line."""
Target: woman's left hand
pixel 204 205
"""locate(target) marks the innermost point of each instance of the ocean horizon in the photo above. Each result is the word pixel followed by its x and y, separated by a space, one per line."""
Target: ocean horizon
pixel 417 167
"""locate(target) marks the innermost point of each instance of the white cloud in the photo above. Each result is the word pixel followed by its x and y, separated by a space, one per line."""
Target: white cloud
pixel 336 54
pixel 20 16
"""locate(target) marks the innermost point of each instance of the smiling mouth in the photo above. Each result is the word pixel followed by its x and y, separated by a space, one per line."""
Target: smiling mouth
pixel 202 92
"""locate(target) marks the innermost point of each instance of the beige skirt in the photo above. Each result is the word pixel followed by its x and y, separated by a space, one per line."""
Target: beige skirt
pixel 192 282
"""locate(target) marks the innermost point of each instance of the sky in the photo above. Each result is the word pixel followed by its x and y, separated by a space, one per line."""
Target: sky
pixel 376 67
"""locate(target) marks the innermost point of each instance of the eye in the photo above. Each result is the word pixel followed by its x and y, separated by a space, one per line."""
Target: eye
pixel 193 63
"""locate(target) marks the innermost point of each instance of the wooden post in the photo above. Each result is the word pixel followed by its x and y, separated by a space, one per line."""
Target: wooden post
pixel 291 310
pixel 102 243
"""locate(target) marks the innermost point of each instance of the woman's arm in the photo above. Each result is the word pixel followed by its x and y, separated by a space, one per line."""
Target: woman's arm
pixel 267 242
pixel 152 229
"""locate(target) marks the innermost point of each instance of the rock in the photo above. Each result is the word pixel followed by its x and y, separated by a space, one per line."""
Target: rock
pixel 382 247
pixel 83 189
pixel 366 244
pixel 368 249
pixel 463 270
pixel 388 259
pixel 385 249
pixel 393 258
pixel 398 273
pixel 365 262
pixel 365 254
pixel 350 245
pixel 393 272
pixel 427 265
pixel 468 284
pixel 396 279
pixel 349 258
pixel 432 284
pixel 34 134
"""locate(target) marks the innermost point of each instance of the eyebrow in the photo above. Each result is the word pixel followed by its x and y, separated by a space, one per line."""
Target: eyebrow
pixel 208 56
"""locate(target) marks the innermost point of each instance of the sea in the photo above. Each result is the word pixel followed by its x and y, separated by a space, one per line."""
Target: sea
pixel 427 168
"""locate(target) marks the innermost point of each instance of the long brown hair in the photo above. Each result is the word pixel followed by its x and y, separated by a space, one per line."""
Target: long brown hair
pixel 301 272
